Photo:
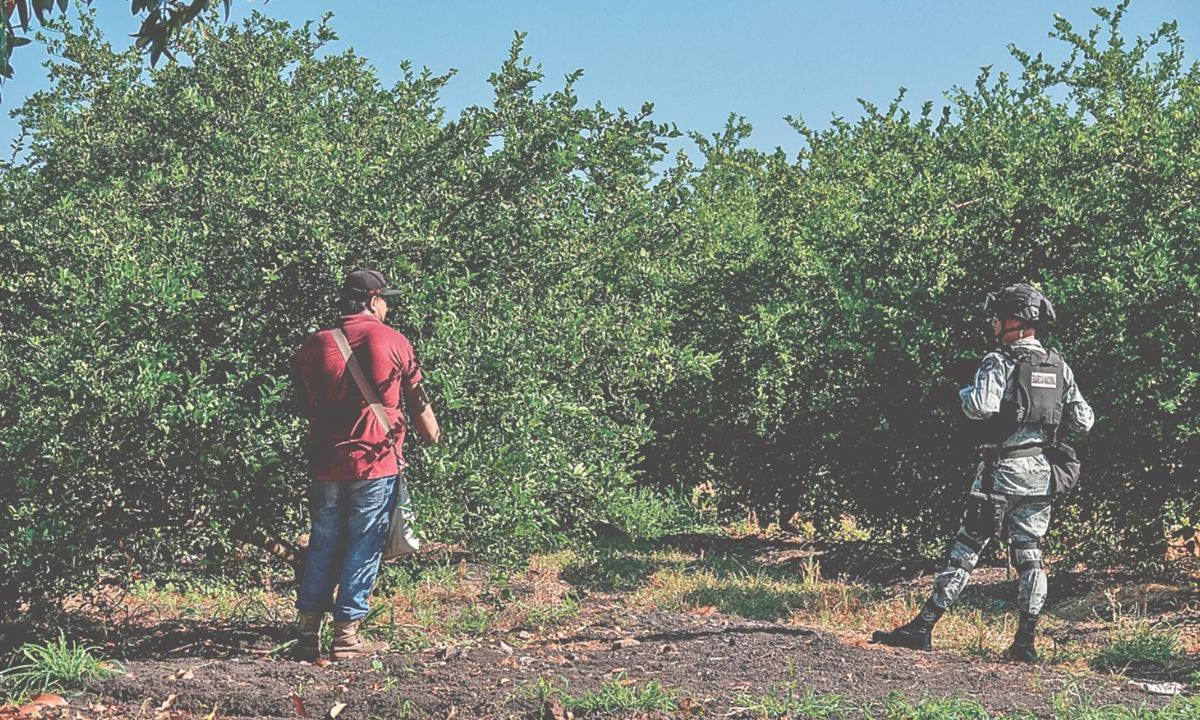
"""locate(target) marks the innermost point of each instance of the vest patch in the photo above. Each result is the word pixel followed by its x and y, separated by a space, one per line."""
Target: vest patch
pixel 1042 380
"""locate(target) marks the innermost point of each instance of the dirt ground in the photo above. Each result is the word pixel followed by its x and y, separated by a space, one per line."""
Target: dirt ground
pixel 709 661
pixel 712 660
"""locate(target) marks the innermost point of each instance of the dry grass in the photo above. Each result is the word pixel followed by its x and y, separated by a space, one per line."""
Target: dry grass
pixel 1075 630
pixel 427 601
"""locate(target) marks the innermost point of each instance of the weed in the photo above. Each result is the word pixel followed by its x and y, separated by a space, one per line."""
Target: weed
pixel 282 648
pixel 57 666
pixel 446 576
pixel 542 617
pixel 622 694
pixel 617 695
pixel 1181 708
pixel 404 709
pixel 471 620
pixel 611 569
pixel 1140 643
pixel 787 700
pixel 648 514
pixel 897 707
pixel 542 689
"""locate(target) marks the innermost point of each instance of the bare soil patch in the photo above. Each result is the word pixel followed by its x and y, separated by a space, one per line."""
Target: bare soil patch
pixel 711 660
pixel 710 622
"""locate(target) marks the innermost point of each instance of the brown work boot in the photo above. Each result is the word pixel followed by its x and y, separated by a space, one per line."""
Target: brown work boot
pixel 308 636
pixel 347 643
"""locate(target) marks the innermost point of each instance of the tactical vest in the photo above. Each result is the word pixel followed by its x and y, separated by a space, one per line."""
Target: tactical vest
pixel 1037 399
pixel 1037 386
pixel 1037 395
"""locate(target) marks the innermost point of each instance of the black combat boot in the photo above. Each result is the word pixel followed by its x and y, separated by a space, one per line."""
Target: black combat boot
pixel 1023 648
pixel 916 634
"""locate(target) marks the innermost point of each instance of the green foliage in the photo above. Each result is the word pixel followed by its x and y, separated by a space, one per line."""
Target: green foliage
pixel 615 695
pixel 644 514
pixel 57 666
pixel 162 20
pixel 782 332
pixel 170 238
pixel 1071 708
pixel 787 700
pixel 1143 646
pixel 897 707
pixel 841 291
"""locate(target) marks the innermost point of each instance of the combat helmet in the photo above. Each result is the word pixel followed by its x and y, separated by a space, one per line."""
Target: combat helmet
pixel 1021 302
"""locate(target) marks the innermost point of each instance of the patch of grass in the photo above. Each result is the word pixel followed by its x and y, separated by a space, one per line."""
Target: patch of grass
pixel 208 600
pixel 57 666
pixel 897 707
pixel 755 596
pixel 645 513
pixel 400 578
pixel 612 568
pixel 984 635
pixel 381 622
pixel 471 620
pixel 1180 708
pixel 756 592
pixel 621 694
pixel 404 709
pixel 543 617
pixel 1140 643
pixel 617 695
pixel 787 700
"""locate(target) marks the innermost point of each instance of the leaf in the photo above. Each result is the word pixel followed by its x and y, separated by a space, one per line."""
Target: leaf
pixel 47 699
pixel 553 709
pixel 335 711
pixel 298 705
pixel 166 704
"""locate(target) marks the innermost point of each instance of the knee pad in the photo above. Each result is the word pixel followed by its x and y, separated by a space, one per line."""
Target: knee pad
pixel 1026 555
pixel 985 516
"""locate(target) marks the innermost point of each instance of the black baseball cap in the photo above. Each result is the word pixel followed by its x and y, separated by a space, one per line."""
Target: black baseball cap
pixel 367 283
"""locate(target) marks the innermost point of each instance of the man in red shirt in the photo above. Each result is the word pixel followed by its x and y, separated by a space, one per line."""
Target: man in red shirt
pixel 355 459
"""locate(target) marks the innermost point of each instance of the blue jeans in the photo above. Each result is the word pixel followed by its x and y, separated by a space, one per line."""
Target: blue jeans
pixel 349 526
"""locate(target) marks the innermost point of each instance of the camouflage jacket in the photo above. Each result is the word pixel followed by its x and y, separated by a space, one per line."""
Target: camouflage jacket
pixel 1022 475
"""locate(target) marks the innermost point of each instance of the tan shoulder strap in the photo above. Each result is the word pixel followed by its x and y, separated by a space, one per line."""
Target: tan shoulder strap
pixel 356 372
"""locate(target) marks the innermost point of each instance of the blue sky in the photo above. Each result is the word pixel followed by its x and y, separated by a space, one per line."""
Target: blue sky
pixel 697 61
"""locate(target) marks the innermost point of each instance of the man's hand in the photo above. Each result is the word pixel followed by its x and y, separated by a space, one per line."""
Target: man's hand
pixel 427 426
pixel 419 407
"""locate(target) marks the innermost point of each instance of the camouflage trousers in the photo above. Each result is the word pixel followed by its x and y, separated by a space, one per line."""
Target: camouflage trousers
pixel 1026 522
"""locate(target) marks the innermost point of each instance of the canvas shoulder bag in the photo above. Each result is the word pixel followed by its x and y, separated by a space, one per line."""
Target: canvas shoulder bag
pixel 401 539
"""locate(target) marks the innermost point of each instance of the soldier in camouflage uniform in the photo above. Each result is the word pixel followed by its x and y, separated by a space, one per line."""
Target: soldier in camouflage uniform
pixel 1013 486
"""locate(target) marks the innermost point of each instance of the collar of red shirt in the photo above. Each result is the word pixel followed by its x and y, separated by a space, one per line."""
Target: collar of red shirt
pixel 364 316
